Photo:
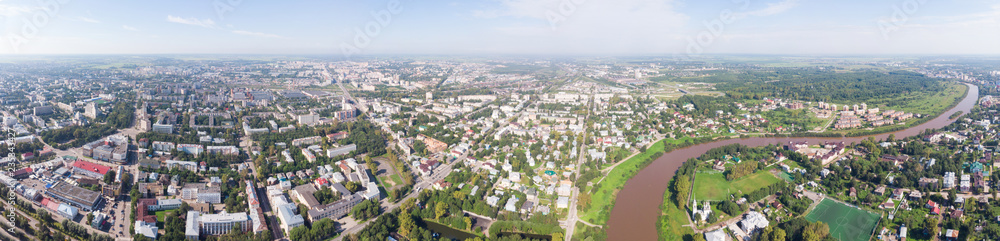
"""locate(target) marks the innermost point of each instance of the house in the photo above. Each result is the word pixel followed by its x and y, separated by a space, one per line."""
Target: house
pixel 753 221
pixel 951 235
pixel 935 209
pixel 916 195
pixel 719 166
pixel 562 202
pixel 949 180
pixel 956 214
pixel 716 235
pixel 925 182
pixel 897 194
pixel 880 190
pixel 965 184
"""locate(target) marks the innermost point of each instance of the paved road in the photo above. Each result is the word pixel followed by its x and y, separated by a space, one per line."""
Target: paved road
pixel 570 223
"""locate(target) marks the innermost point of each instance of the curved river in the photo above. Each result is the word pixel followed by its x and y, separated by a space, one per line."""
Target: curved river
pixel 638 204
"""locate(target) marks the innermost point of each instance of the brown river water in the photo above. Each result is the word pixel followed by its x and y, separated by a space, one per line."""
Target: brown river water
pixel 638 204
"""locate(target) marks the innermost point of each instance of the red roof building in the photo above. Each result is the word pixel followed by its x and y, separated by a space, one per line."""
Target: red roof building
pixel 90 169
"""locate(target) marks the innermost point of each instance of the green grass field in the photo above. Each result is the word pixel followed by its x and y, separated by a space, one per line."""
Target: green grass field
pixel 603 199
pixel 161 215
pixel 396 179
pixel 671 221
pixel 714 186
pixel 846 223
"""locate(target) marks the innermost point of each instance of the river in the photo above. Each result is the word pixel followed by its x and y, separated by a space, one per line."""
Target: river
pixel 638 204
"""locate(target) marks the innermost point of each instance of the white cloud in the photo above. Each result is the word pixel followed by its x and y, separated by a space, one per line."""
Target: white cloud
pixel 208 23
pixel 771 9
pixel 258 34
pixel 89 20
pixel 8 10
pixel 129 28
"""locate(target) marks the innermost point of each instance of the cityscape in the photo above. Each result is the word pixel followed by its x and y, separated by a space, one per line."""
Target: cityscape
pixel 220 125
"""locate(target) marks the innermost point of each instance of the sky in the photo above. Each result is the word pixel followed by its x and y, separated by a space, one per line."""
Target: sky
pixel 501 27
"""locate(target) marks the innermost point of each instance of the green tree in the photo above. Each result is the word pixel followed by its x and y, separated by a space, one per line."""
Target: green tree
pixel 440 210
pixel 778 235
pixel 815 231
pixel 109 177
pixel 557 236
pixel 406 224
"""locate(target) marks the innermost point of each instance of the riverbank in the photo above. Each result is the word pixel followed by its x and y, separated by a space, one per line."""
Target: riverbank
pixel 633 218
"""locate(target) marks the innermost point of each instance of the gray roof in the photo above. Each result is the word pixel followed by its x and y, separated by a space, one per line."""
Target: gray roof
pixel 192 228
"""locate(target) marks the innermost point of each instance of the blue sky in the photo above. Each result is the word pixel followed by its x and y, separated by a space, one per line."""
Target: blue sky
pixel 500 27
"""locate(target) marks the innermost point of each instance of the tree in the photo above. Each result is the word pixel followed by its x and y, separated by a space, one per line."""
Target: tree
pixel 557 236
pixel 352 186
pixel 713 218
pixel 778 235
pixel 930 224
pixel 816 231
pixel 109 177
pixel 440 209
pixel 681 186
pixel 698 237
pixel 406 224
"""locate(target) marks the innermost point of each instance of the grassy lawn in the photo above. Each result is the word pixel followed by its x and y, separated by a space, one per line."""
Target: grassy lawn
pixel 396 179
pixel 602 199
pixel 711 186
pixel 160 215
pixel 714 186
pixel 669 225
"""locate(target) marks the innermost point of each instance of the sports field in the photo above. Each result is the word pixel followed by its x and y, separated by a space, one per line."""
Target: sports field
pixel 846 223
pixel 714 186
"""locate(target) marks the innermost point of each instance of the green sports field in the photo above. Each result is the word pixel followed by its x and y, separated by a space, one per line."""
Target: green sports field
pixel 846 223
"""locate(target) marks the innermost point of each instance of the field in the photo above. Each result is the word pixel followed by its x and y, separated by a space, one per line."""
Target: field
pixel 603 199
pixel 161 215
pixel 671 221
pixel 846 223
pixel 714 186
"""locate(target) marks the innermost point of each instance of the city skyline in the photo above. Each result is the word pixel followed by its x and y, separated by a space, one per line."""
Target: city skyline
pixel 514 27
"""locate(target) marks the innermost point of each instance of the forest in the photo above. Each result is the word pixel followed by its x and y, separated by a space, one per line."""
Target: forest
pixel 814 84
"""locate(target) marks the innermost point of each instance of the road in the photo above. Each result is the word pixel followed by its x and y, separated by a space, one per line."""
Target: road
pixel 363 108
pixel 570 223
